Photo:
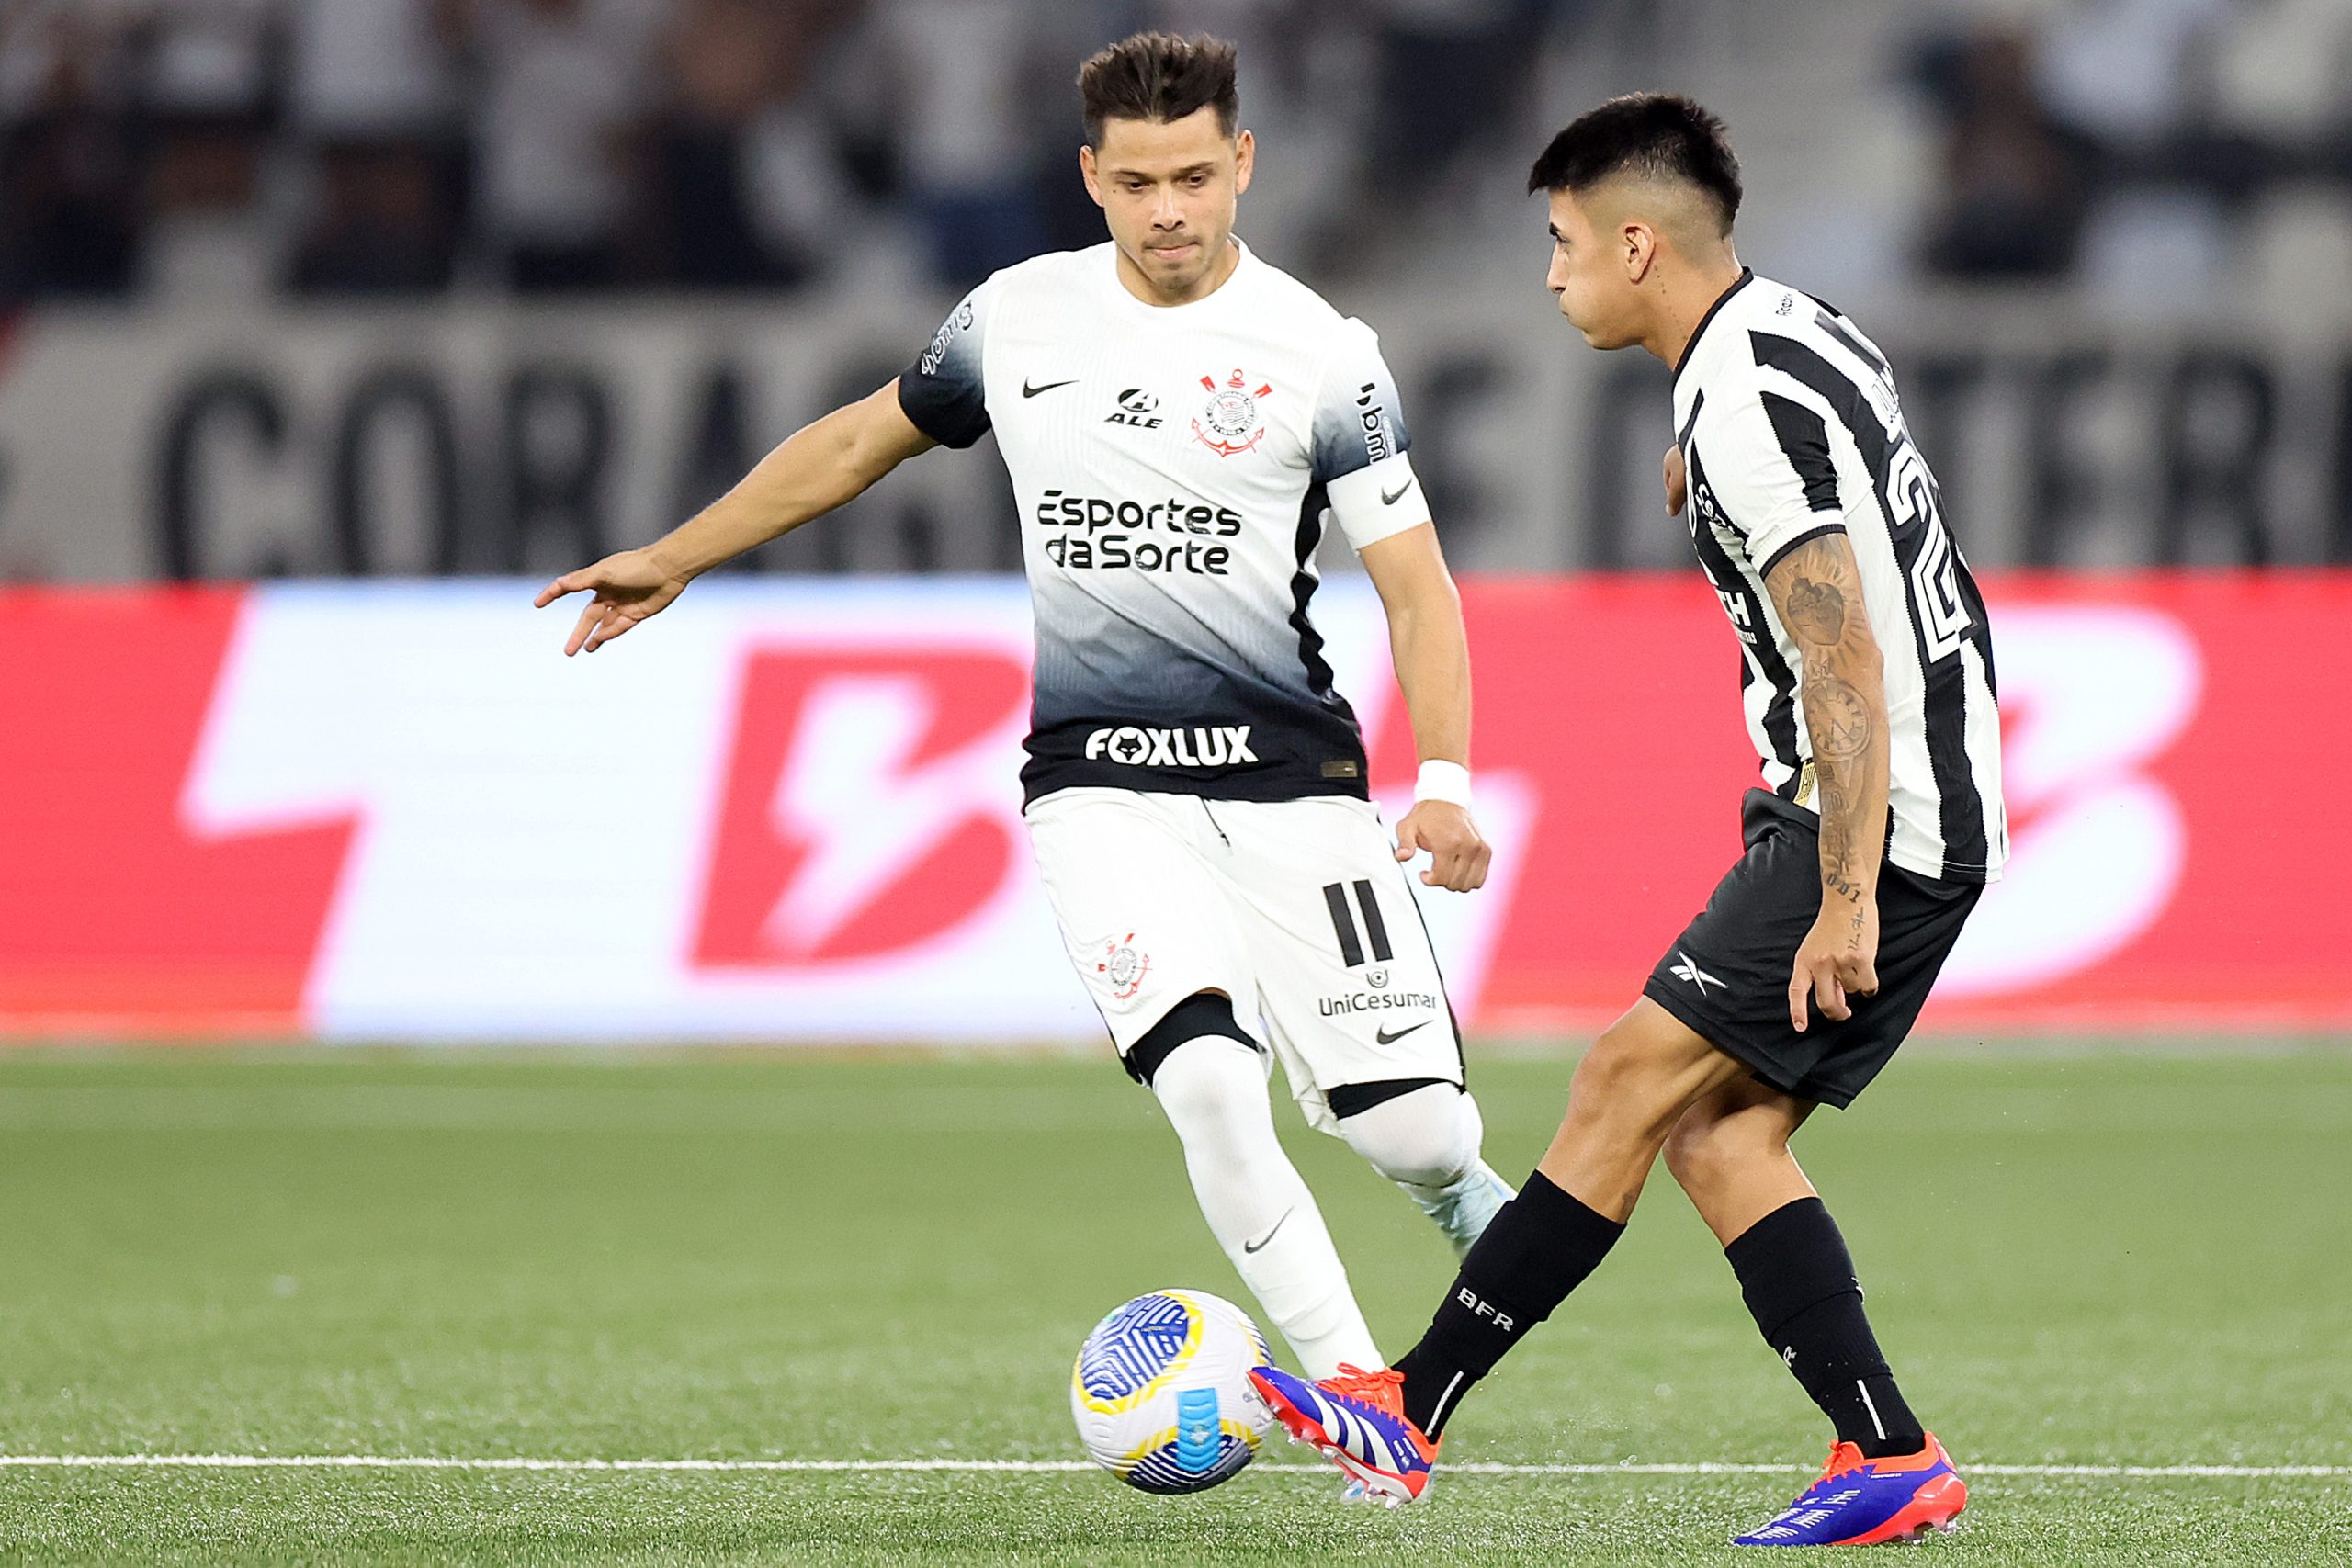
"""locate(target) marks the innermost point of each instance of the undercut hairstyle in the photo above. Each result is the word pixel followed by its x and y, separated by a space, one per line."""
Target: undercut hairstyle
pixel 1654 136
pixel 1160 77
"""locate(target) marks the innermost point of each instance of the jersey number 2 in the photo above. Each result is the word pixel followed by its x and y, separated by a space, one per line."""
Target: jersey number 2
pixel 1944 620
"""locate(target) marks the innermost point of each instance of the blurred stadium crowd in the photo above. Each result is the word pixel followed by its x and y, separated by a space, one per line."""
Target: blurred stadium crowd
pixel 609 250
pixel 166 148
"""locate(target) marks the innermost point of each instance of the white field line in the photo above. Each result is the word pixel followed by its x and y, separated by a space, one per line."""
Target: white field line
pixel 1060 1466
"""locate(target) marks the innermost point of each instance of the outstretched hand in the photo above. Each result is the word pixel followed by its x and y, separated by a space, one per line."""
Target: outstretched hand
pixel 1458 856
pixel 628 587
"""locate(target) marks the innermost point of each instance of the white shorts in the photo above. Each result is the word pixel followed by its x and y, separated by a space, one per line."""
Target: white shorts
pixel 1296 910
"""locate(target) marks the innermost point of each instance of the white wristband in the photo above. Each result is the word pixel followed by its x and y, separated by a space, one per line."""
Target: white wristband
pixel 1444 780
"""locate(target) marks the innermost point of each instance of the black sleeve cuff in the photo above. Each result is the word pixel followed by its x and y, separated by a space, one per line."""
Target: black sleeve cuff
pixel 1808 536
pixel 950 417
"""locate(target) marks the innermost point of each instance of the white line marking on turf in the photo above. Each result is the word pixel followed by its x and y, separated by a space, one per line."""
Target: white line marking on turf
pixel 1061 1466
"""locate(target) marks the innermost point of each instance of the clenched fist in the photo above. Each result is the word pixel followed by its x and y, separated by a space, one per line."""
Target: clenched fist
pixel 1458 856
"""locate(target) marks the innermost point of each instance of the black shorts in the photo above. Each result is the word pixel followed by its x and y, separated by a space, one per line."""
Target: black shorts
pixel 1727 975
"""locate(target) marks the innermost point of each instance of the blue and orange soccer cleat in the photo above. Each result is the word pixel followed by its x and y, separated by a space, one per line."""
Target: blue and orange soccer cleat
pixel 1860 1502
pixel 1355 1419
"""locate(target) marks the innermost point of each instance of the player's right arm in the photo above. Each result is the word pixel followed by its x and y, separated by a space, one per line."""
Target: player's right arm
pixel 817 469
pixel 940 399
pixel 1775 481
pixel 1816 589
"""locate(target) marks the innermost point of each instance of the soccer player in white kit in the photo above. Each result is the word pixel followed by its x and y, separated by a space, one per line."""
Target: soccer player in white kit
pixel 1179 417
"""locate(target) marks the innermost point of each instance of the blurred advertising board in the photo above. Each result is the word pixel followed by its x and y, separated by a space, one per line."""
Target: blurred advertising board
pixel 788 811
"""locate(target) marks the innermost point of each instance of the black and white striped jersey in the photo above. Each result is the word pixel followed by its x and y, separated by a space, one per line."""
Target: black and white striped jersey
pixel 1790 428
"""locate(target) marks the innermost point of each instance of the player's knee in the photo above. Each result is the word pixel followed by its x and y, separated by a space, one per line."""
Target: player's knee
pixel 1706 1152
pixel 1428 1137
pixel 1612 1079
pixel 1213 1090
pixel 1619 1096
pixel 1694 1153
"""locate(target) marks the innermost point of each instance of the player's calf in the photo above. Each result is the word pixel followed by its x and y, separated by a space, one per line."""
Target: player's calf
pixel 1212 1088
pixel 1799 1286
pixel 1546 1242
pixel 1540 1246
pixel 1730 1154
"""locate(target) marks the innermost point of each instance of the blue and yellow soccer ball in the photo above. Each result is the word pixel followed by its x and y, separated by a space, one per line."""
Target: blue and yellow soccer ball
pixel 1161 1392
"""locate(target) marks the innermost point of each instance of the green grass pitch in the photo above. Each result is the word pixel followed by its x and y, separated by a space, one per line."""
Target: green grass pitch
pixel 2078 1258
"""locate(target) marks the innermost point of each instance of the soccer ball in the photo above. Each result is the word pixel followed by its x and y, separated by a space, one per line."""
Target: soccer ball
pixel 1161 1392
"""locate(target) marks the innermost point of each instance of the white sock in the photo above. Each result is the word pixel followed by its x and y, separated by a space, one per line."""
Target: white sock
pixel 1214 1089
pixel 1426 1142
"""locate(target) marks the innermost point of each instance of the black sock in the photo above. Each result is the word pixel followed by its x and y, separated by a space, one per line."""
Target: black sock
pixel 1799 1281
pixel 1538 1248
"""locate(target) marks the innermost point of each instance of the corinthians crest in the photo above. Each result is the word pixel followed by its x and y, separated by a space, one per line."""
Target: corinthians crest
pixel 1230 421
pixel 1122 966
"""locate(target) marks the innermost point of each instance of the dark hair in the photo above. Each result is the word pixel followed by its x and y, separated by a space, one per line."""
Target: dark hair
pixel 1650 136
pixel 1158 76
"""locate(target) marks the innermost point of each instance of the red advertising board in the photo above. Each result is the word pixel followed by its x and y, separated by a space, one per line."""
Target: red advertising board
pixel 2177 751
pixel 389 812
pixel 118 910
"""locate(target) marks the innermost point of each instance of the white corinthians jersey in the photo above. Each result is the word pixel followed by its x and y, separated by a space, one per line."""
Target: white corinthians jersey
pixel 1173 466
pixel 1790 428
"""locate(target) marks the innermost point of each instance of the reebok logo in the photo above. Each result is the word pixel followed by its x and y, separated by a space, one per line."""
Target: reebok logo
pixel 1686 970
pixel 1386 1038
pixel 1203 746
pixel 1029 392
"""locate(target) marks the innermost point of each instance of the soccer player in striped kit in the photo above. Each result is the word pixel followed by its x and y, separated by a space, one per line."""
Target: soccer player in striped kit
pixel 1868 687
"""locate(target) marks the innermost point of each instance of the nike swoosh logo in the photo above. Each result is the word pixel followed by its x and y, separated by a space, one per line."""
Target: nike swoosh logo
pixel 1388 1039
pixel 1254 1245
pixel 1390 498
pixel 1029 392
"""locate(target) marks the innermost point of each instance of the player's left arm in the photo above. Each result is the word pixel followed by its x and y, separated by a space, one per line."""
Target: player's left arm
pixel 1816 590
pixel 1358 454
pixel 1430 647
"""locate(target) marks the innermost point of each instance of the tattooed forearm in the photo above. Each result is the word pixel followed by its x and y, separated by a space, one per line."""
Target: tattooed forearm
pixel 1838 715
pixel 1837 861
pixel 1816 611
pixel 1817 591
